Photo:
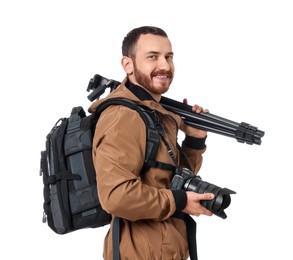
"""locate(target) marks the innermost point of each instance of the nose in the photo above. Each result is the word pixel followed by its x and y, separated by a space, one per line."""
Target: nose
pixel 165 64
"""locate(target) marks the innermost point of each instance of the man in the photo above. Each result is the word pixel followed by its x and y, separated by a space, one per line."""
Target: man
pixel 144 203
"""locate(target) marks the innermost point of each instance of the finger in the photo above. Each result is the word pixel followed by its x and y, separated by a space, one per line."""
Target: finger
pixel 205 211
pixel 196 108
pixel 208 213
pixel 206 196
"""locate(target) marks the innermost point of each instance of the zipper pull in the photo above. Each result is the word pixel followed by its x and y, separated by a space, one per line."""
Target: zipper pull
pixel 41 163
pixel 44 220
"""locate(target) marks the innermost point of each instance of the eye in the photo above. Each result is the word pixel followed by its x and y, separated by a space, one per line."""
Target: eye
pixel 152 57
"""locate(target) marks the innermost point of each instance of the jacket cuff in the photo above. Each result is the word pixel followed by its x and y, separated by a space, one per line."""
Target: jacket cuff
pixel 180 199
pixel 195 143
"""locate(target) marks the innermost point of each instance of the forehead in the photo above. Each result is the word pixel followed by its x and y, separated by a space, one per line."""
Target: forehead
pixel 153 43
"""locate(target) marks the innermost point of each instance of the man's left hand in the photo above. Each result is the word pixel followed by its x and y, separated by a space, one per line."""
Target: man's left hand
pixel 189 130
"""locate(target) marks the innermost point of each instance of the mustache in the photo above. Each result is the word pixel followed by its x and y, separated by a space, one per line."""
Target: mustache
pixel 169 74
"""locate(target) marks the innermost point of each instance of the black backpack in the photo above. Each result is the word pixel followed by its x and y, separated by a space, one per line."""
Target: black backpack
pixel 70 190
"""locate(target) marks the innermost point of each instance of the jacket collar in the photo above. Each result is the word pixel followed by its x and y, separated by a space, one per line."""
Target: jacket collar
pixel 138 91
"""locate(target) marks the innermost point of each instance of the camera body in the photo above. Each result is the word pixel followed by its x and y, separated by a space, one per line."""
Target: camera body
pixel 186 180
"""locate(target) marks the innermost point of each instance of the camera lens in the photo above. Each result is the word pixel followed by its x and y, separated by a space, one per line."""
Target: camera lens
pixel 222 195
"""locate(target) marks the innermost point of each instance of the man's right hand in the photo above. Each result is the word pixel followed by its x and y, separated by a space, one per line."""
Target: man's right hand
pixel 193 206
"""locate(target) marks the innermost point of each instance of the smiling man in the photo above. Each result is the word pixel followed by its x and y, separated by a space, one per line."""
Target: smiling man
pixel 144 202
pixel 153 55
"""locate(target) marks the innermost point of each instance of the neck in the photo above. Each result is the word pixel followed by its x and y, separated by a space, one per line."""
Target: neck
pixel 156 97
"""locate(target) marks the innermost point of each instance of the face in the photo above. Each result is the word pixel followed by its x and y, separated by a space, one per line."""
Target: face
pixel 152 67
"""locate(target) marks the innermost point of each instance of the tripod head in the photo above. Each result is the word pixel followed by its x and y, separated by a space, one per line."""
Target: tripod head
pixel 242 132
pixel 98 85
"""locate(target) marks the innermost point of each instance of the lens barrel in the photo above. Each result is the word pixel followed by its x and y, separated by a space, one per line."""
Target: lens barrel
pixel 222 198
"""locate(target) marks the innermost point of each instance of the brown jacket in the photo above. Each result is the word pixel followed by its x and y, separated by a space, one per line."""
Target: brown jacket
pixel 144 203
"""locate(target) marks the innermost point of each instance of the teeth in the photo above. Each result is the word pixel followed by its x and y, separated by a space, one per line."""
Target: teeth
pixel 162 77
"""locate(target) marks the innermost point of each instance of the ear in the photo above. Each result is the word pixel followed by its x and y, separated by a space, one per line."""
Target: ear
pixel 127 65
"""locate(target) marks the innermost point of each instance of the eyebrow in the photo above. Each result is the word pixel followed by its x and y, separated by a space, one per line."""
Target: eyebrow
pixel 156 52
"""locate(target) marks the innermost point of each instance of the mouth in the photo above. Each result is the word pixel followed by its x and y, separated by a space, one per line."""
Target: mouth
pixel 162 76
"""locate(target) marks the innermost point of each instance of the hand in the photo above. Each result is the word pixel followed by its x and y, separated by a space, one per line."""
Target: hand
pixel 189 130
pixel 193 206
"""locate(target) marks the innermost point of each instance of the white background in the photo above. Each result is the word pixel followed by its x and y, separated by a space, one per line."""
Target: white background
pixel 233 57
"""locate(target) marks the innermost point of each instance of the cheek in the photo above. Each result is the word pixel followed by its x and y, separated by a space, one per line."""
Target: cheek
pixel 145 66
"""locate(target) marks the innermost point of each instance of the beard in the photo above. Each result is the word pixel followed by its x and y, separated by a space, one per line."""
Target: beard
pixel 146 81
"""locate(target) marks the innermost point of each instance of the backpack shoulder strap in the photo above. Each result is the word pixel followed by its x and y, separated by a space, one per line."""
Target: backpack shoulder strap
pixel 152 127
pixel 153 137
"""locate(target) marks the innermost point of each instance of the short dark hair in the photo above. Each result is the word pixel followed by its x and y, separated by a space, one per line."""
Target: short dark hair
pixel 130 40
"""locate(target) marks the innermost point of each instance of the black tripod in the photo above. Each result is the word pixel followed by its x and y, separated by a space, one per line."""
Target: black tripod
pixel 242 132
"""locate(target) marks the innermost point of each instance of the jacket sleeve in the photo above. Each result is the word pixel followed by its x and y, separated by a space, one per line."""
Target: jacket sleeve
pixel 194 149
pixel 118 154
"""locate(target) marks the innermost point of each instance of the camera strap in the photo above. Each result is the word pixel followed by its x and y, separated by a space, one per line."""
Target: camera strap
pixel 169 149
pixel 190 223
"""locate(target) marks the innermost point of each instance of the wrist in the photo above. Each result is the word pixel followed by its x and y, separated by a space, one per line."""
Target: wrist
pixel 195 142
pixel 180 198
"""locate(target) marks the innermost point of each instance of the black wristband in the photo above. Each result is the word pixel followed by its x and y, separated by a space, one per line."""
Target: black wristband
pixel 180 199
pixel 195 143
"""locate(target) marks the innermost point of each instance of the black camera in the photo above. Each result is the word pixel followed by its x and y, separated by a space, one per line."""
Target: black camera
pixel 186 180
